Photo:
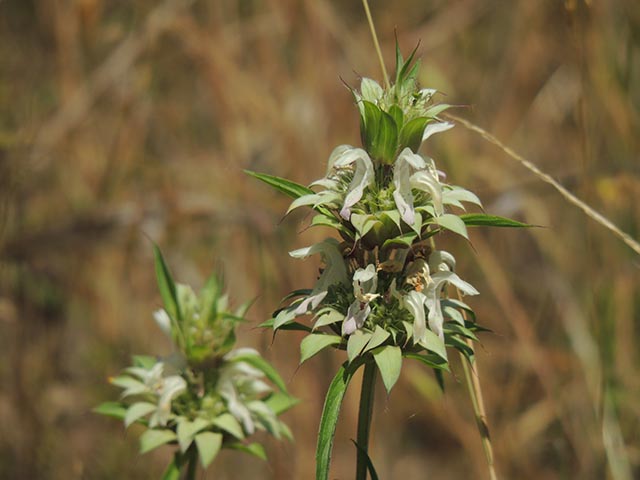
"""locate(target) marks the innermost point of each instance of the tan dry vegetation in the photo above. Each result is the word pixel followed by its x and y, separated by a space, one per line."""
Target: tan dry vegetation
pixel 121 120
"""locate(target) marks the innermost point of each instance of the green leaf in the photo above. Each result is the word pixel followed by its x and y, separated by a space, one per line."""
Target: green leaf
pixel 399 60
pixel 327 316
pixel 111 409
pixel 289 326
pixel 455 303
pixel 411 133
pixel 453 313
pixel 284 316
pixel 379 336
pixel 401 76
pixel 403 241
pixel 172 472
pixel 166 286
pixel 460 329
pixel 229 424
pixel 460 345
pixel 389 361
pixel 314 343
pixel 484 220
pixel 387 140
pixel 398 116
pixel 208 444
pixel 370 122
pixel 329 420
pixel 431 360
pixel 331 222
pixel 281 402
pixel 433 343
pixel 209 298
pixel 265 367
pixel 144 361
pixel 152 439
pixel 453 223
pixel 363 223
pixel 357 341
pixel 187 429
pixel 254 449
pixel 289 188
pixel 137 411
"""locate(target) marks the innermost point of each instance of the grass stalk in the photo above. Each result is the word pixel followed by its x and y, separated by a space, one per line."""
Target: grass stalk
pixel 546 178
pixel 374 35
pixel 472 379
pixel 365 413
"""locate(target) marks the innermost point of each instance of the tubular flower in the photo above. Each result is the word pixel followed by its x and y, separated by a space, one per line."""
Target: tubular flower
pixel 349 173
pixel 365 285
pixel 412 171
pixel 335 272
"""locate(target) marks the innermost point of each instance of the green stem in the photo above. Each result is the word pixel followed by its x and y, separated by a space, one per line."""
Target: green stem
pixel 372 27
pixel 364 418
pixel 192 464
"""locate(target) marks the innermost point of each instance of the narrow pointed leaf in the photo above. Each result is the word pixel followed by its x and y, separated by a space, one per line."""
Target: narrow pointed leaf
pixel 111 409
pixel 166 286
pixel 484 220
pixel 289 188
pixel 329 420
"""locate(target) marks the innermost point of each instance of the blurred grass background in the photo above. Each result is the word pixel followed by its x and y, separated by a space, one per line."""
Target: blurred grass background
pixel 125 120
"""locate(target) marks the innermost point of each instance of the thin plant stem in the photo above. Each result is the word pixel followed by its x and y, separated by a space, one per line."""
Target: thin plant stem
pixel 472 379
pixel 192 464
pixel 546 178
pixel 365 414
pixel 374 35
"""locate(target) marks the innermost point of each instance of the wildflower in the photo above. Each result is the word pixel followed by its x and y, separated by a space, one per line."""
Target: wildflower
pixel 335 272
pixel 365 285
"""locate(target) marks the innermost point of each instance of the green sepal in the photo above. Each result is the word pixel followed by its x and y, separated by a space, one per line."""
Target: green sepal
pixel 316 342
pixel 152 439
pixel 389 361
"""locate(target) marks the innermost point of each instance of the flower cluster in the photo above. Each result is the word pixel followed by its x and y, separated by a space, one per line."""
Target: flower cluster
pixel 207 395
pixel 382 291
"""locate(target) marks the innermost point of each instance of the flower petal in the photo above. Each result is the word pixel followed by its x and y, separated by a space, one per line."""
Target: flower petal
pixel 356 315
pixel 434 128
pixel 414 302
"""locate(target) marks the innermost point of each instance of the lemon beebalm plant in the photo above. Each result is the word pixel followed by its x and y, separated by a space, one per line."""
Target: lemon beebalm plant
pixel 386 293
pixel 206 396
